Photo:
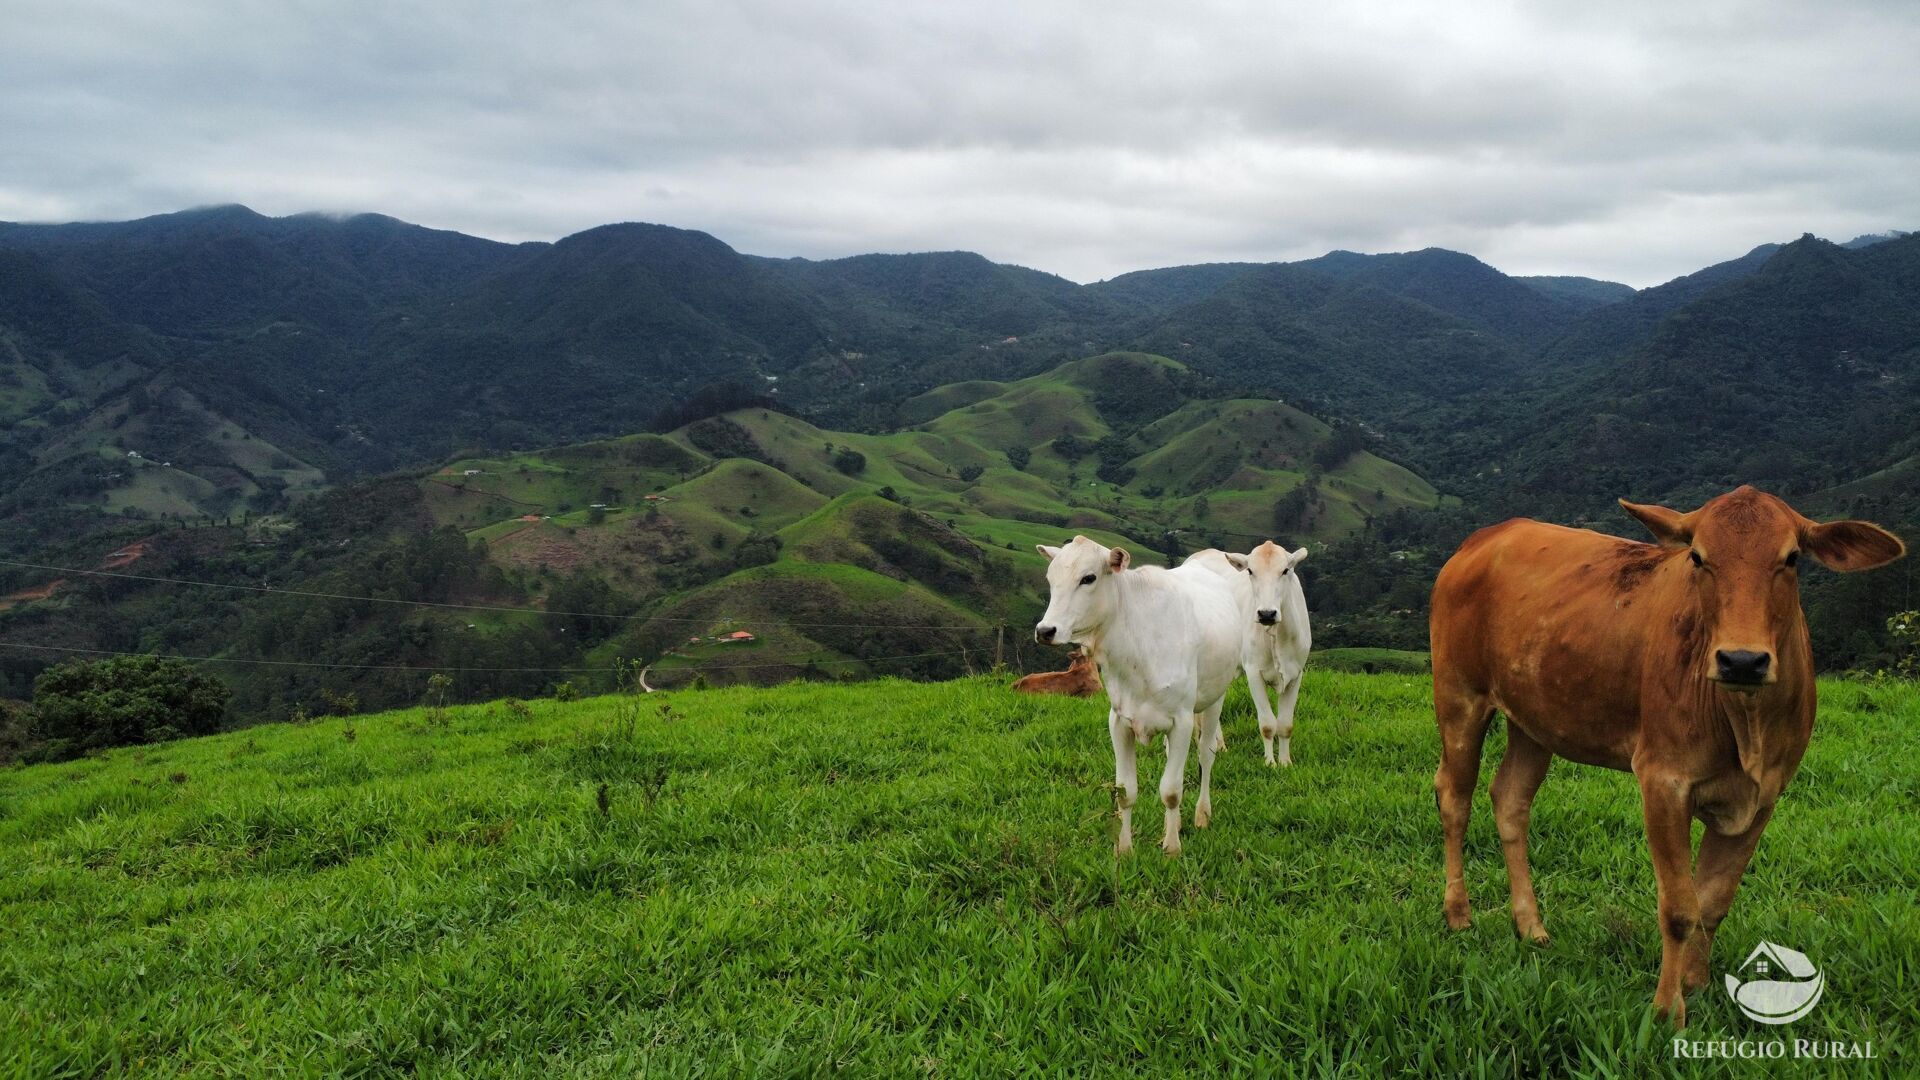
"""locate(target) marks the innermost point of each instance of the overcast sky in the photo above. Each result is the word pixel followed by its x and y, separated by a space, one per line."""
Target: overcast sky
pixel 1609 139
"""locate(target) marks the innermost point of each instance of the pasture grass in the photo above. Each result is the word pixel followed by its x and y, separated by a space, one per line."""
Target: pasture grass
pixel 897 879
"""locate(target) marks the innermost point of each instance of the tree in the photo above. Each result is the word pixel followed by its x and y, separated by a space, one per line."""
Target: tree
pixel 1018 456
pixel 970 473
pixel 850 461
pixel 1114 453
pixel 85 705
pixel 1291 511
pixel 1344 442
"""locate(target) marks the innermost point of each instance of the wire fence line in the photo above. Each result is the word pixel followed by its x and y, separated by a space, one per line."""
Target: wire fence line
pixel 431 670
pixel 779 660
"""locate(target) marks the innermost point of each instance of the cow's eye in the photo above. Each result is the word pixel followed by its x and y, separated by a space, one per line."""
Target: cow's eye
pixel 1695 556
pixel 1088 580
pixel 1793 559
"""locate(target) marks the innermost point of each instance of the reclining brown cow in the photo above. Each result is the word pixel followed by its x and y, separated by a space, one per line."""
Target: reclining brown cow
pixel 1081 679
pixel 1686 662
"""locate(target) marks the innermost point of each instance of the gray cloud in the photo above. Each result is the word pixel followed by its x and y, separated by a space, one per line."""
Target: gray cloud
pixel 1628 141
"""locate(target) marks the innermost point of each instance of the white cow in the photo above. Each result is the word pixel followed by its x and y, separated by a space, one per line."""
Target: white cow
pixel 1166 643
pixel 1277 638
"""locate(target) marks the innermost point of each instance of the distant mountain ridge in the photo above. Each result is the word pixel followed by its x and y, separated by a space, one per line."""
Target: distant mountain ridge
pixel 267 356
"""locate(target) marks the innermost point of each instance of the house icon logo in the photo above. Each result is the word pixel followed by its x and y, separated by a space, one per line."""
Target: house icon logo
pixel 1776 985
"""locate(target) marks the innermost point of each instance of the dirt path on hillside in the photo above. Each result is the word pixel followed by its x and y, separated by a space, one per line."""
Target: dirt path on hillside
pixel 28 596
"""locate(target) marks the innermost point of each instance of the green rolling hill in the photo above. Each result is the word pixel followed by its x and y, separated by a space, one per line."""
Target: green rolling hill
pixel 932 530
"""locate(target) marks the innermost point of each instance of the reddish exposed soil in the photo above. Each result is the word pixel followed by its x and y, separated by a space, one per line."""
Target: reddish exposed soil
pixel 27 596
pixel 125 556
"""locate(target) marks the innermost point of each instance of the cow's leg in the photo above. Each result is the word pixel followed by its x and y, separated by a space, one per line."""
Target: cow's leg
pixel 1179 740
pixel 1670 841
pixel 1463 718
pixel 1209 722
pixel 1262 707
pixel 1716 877
pixel 1126 779
pixel 1514 783
pixel 1282 741
pixel 1219 739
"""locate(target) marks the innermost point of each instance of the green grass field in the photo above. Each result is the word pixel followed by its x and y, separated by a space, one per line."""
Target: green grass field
pixel 895 879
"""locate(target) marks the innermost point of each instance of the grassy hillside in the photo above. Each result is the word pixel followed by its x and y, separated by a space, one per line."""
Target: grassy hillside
pixel 892 878
pixel 1178 444
pixel 739 520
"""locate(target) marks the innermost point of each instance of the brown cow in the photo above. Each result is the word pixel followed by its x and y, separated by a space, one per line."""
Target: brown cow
pixel 1685 661
pixel 1080 679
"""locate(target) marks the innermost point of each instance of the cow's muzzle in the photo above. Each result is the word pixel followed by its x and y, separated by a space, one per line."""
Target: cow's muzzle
pixel 1267 616
pixel 1045 634
pixel 1743 667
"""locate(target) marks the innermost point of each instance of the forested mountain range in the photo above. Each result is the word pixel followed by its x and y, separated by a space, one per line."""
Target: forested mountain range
pixel 335 347
pixel 219 366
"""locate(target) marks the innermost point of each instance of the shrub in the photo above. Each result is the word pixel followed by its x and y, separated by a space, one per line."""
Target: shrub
pixel 15 729
pixel 850 461
pixel 1018 457
pixel 971 473
pixel 1904 628
pixel 86 705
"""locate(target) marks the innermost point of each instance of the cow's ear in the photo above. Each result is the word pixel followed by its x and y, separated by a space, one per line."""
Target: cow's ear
pixel 1239 561
pixel 1296 558
pixel 1117 559
pixel 1049 552
pixel 1851 545
pixel 1670 527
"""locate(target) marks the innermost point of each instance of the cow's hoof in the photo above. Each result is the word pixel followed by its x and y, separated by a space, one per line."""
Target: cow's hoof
pixel 1202 816
pixel 1676 1014
pixel 1171 847
pixel 1123 846
pixel 1459 918
pixel 1534 935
